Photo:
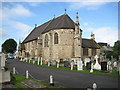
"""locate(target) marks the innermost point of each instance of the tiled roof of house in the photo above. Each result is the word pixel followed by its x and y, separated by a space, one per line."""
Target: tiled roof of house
pixel 89 43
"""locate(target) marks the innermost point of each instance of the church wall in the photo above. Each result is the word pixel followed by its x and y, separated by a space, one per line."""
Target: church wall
pixel 64 48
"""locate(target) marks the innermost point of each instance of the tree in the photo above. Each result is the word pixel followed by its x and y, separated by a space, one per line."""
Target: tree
pixel 116 47
pixel 116 51
pixel 9 46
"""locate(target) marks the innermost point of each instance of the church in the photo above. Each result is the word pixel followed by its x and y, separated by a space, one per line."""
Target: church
pixel 58 39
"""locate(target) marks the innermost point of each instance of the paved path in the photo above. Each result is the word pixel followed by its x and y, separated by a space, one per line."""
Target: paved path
pixel 69 79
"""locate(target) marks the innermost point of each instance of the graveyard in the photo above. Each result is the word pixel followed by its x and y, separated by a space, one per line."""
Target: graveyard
pixel 86 67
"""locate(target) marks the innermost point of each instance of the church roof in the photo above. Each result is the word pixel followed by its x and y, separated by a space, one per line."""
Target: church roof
pixel 89 43
pixel 61 22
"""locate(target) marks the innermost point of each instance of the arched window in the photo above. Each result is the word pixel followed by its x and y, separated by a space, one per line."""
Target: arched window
pixel 55 38
pixel 46 41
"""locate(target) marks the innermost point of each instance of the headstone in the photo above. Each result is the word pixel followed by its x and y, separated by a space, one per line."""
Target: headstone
pixel 111 57
pixel 53 63
pixel 4 76
pixel 57 65
pixel 115 64
pixel 48 63
pixel 2 60
pixel 104 66
pixel 41 61
pixel 38 60
pixel 86 60
pixel 79 65
pixel 97 65
pixel 109 65
pixel 92 67
pixel 71 65
pixel 88 65
pixel 66 64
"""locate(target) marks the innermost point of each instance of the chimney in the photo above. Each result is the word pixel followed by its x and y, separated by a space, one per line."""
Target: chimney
pixel 92 36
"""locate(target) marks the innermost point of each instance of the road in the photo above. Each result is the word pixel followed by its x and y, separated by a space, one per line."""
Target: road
pixel 65 78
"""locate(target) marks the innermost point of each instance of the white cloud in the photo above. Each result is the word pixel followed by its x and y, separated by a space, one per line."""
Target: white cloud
pixel 16 10
pixel 3 33
pixel 86 4
pixel 21 28
pixel 105 34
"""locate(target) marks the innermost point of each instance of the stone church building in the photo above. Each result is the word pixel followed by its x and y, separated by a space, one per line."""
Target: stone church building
pixel 58 38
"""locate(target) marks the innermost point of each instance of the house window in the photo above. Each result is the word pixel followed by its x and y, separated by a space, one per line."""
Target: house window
pixel 46 41
pixel 85 51
pixel 55 38
pixel 93 52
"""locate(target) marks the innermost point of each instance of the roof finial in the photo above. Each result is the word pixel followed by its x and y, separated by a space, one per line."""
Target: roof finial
pixel 35 25
pixel 65 10
pixel 54 15
pixel 77 21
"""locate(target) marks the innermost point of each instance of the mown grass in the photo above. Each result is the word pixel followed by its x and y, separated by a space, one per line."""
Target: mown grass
pixel 19 79
pixel 114 73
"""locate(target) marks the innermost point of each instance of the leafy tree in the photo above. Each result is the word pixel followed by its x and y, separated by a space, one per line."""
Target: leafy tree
pixel 116 51
pixel 116 47
pixel 9 46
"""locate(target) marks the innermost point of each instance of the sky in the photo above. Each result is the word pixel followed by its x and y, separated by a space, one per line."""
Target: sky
pixel 17 19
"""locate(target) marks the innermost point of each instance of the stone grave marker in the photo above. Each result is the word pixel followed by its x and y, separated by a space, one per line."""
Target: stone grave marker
pixel 104 66
pixel 86 60
pixel 97 65
pixel 88 65
pixel 66 64
pixel 79 65
pixel 53 63
pixel 2 60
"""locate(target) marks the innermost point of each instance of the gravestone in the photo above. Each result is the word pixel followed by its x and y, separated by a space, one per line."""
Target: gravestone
pixel 86 60
pixel 92 67
pixel 79 65
pixel 66 64
pixel 97 65
pixel 115 64
pixel 4 75
pixel 88 65
pixel 53 63
pixel 104 66
pixel 2 60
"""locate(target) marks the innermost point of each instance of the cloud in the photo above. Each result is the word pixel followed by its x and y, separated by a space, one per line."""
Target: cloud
pixel 21 28
pixel 87 24
pixel 86 4
pixel 105 34
pixel 3 33
pixel 16 10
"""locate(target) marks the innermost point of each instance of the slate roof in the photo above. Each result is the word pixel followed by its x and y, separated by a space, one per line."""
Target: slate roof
pixel 89 43
pixel 61 22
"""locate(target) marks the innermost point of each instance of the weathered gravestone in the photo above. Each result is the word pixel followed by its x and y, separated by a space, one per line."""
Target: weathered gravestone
pixel 4 75
pixel 104 66
pixel 66 64
pixel 79 65
pixel 97 65
pixel 86 60
pixel 88 65
pixel 53 63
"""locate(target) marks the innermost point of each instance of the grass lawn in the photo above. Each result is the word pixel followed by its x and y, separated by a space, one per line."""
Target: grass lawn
pixel 19 78
pixel 114 73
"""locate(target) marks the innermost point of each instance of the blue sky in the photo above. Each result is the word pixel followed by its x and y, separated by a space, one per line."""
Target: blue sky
pixel 19 18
